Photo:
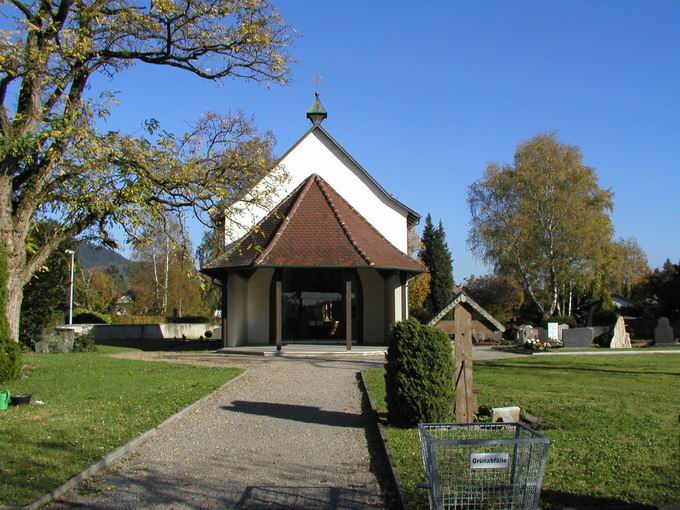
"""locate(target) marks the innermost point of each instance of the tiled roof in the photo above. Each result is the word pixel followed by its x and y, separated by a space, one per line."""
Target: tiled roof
pixel 313 227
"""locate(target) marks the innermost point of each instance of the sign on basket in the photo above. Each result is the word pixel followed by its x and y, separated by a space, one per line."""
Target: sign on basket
pixel 489 460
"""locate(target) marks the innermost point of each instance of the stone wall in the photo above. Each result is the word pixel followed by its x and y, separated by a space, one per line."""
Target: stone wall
pixel 169 331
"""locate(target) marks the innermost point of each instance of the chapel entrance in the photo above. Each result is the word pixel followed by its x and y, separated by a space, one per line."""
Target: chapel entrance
pixel 314 305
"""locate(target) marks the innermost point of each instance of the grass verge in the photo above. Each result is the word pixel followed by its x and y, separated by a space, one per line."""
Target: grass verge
pixel 612 421
pixel 93 404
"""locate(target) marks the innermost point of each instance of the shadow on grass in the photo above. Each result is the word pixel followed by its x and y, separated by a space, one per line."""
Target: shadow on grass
pixel 535 366
pixel 559 500
pixel 165 345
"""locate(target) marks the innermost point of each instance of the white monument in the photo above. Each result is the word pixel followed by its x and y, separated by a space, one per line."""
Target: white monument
pixel 620 339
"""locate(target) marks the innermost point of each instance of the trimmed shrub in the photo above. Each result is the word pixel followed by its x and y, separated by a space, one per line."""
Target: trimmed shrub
pixel 419 375
pixel 84 343
pixel 11 355
pixel 562 319
pixel 11 359
pixel 604 317
pixel 81 316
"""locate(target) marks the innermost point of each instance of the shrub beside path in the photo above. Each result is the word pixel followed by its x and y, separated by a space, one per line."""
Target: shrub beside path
pixel 287 434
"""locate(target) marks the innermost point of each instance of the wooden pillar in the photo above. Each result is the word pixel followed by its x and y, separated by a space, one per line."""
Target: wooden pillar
pixel 279 309
pixel 463 357
pixel 348 310
pixel 225 311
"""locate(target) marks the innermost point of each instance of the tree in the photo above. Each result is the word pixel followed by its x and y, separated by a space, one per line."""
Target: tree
pixel 11 356
pixel 437 257
pixel 46 294
pixel 96 290
pixel 628 267
pixel 662 289
pixel 501 296
pixel 56 161
pixel 543 220
pixel 212 244
pixel 164 278
pixel 419 286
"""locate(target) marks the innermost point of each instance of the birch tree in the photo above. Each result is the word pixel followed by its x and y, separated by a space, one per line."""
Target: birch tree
pixel 543 220
pixel 56 162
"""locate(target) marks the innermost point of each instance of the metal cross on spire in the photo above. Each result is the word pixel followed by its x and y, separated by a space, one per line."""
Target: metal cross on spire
pixel 317 81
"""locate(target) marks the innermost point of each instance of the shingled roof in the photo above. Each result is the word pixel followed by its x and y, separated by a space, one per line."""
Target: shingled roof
pixel 313 227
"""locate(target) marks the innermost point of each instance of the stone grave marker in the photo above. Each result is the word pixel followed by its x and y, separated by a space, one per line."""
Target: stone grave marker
pixel 663 332
pixel 560 331
pixel 578 337
pixel 620 339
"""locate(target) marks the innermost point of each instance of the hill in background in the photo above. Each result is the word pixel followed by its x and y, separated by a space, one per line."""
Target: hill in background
pixel 93 256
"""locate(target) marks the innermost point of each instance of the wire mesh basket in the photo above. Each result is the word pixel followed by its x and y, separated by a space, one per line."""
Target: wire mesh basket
pixel 483 465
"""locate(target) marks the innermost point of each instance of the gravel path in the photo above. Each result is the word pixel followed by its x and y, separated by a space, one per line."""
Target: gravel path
pixel 287 434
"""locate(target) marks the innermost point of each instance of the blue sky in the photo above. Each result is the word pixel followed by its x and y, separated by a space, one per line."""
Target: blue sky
pixel 424 96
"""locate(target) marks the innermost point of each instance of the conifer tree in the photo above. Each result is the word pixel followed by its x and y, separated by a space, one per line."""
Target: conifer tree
pixel 437 257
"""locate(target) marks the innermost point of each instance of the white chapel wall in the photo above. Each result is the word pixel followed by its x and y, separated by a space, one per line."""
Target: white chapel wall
pixel 237 318
pixel 392 302
pixel 373 288
pixel 316 154
pixel 259 286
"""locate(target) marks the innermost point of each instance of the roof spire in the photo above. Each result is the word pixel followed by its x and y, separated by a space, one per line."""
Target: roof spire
pixel 317 113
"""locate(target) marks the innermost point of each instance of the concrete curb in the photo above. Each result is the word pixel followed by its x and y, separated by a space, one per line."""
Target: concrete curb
pixel 608 353
pixel 396 478
pixel 109 459
pixel 300 354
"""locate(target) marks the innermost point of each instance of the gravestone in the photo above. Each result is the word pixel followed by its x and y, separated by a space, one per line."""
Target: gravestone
pixel 578 337
pixel 526 333
pixel 560 331
pixel 620 339
pixel 663 332
pixel 553 331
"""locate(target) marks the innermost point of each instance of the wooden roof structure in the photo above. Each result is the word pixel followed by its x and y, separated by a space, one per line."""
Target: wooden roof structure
pixel 461 297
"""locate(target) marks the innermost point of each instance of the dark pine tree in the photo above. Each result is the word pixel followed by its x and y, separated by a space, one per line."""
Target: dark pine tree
pixel 437 257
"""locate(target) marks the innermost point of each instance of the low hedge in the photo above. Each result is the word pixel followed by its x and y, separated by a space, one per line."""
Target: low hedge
pixel 189 319
pixel 159 319
pixel 562 319
pixel 139 319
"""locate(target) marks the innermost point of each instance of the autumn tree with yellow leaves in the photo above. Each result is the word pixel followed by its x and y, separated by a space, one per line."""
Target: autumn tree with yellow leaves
pixel 55 159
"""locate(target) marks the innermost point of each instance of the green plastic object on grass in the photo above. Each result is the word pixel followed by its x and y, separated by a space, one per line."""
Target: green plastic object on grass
pixel 4 400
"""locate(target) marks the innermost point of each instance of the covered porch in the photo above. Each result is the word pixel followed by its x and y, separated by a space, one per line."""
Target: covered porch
pixel 320 306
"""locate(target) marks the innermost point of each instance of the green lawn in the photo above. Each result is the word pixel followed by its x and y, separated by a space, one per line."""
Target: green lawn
pixel 93 404
pixel 612 421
